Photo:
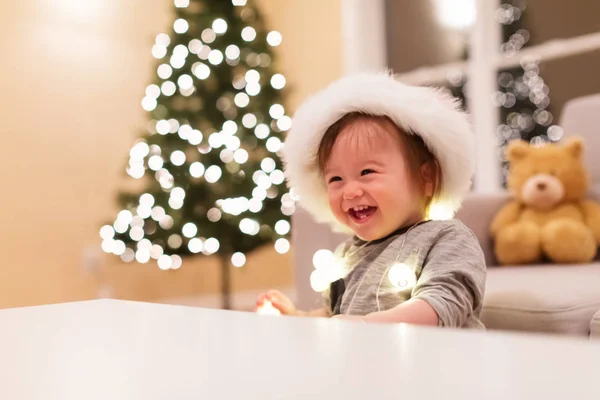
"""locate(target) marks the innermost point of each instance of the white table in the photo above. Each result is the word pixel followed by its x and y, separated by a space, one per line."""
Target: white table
pixel 112 350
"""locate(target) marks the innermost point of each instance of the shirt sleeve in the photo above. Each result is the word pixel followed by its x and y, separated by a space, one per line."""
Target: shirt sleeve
pixel 336 289
pixel 452 279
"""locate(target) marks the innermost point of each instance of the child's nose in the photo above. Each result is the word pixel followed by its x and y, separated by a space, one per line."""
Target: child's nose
pixel 352 190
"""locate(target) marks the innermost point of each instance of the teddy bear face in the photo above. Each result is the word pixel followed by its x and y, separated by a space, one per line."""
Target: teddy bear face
pixel 542 177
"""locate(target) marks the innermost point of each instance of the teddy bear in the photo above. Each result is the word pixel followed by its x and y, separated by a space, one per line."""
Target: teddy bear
pixel 549 216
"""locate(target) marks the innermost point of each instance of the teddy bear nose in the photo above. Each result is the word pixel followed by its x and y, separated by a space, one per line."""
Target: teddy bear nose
pixel 541 186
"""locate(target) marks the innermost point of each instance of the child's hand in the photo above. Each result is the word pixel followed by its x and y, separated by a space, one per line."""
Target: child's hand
pixel 279 301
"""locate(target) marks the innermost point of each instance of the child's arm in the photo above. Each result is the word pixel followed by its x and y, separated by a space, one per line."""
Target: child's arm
pixel 452 281
pixel 450 288
pixel 413 311
pixel 319 312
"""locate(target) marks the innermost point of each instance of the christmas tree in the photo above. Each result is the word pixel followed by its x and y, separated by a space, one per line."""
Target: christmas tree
pixel 523 96
pixel 208 162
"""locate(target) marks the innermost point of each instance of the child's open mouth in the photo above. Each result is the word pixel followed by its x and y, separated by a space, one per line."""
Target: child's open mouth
pixel 361 214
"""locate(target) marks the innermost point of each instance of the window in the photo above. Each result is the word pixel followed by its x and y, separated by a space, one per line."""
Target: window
pixel 522 60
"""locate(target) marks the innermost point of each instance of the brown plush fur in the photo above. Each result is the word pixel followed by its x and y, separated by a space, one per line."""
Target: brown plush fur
pixel 549 214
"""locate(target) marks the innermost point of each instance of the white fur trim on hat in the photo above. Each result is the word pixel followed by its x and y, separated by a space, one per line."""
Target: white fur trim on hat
pixel 424 111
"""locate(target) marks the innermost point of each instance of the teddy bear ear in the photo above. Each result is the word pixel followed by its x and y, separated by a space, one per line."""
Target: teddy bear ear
pixel 517 150
pixel 575 146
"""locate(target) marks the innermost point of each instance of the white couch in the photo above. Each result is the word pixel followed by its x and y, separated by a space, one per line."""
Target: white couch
pixel 543 298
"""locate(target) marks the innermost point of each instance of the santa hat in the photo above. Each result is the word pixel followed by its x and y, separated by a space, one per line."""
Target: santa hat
pixel 424 111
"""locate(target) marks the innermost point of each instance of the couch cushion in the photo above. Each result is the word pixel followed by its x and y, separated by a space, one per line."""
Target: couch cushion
pixel 580 118
pixel 595 326
pixel 477 212
pixel 544 298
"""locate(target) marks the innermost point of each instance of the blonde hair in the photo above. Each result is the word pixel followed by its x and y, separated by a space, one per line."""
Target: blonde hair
pixel 413 148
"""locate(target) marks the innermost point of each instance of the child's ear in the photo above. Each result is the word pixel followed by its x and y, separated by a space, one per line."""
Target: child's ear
pixel 427 179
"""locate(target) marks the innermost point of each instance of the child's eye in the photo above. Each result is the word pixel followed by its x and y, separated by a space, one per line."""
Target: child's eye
pixel 366 172
pixel 334 179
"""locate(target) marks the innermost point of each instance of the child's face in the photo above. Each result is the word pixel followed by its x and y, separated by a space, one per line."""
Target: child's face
pixel 370 188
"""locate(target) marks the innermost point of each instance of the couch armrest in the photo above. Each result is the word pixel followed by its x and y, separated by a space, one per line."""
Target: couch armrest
pixel 595 327
pixel 477 212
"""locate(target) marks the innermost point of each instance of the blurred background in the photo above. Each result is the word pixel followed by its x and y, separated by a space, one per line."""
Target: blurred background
pixel 142 136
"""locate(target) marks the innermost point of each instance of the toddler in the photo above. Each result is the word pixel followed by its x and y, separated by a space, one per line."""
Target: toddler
pixel 380 159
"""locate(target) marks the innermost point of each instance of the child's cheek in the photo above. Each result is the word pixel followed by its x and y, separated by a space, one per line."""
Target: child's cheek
pixel 333 197
pixel 382 184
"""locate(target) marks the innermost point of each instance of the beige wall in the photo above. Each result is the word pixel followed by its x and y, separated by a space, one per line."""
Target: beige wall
pixel 416 38
pixel 72 78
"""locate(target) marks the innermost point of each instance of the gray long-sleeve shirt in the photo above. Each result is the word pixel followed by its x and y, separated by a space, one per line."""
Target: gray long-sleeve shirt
pixel 439 262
